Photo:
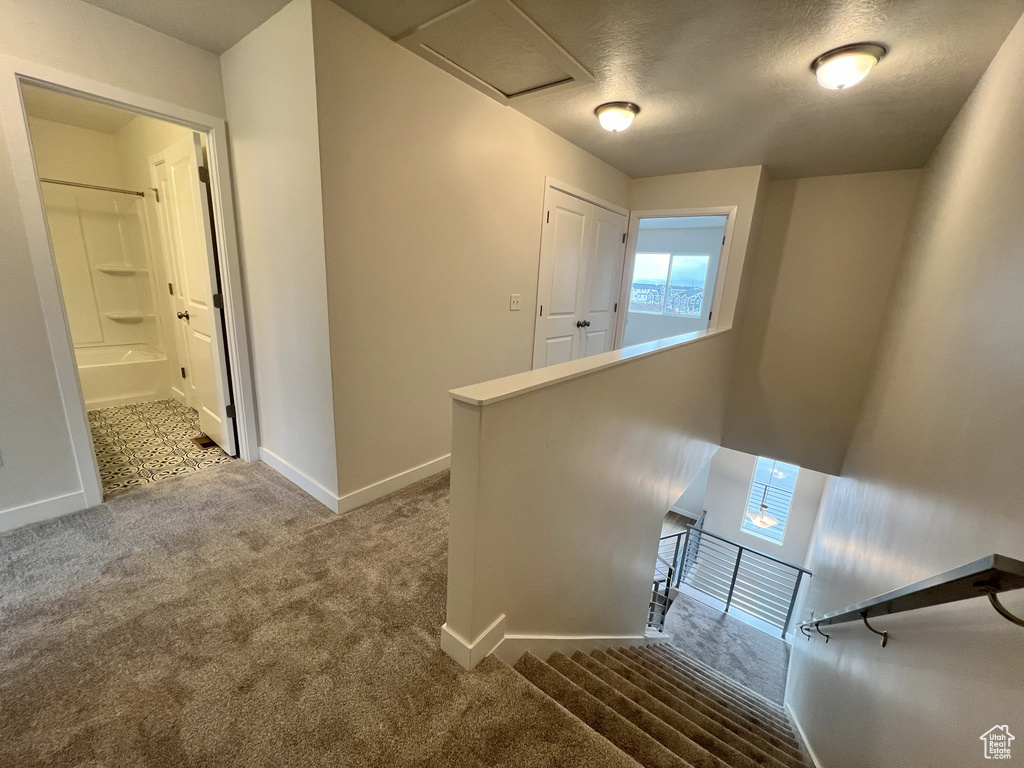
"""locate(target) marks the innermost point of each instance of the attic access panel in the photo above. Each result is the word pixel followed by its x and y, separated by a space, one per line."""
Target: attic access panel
pixel 494 47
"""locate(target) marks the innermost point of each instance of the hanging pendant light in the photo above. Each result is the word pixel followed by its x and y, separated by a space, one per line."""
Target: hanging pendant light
pixel 761 518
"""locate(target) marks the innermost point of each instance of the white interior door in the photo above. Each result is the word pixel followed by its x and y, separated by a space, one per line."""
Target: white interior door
pixel 188 238
pixel 581 258
pixel 604 279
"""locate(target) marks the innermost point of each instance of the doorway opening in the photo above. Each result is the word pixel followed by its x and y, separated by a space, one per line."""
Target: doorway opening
pixel 130 220
pixel 677 260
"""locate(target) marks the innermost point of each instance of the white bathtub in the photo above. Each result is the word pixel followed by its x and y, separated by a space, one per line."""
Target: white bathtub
pixel 121 375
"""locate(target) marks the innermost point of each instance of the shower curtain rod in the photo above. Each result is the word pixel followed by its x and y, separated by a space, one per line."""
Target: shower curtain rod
pixel 93 186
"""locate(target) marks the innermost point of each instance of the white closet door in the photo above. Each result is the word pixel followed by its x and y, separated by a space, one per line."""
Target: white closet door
pixel 604 278
pixel 565 244
pixel 190 238
pixel 581 259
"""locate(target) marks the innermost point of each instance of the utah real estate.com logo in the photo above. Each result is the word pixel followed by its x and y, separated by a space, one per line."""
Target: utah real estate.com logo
pixel 997 742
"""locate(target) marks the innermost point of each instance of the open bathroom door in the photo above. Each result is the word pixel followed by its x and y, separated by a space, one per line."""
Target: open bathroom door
pixel 182 180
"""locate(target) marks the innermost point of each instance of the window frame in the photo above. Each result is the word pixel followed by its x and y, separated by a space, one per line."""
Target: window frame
pixel 753 530
pixel 626 283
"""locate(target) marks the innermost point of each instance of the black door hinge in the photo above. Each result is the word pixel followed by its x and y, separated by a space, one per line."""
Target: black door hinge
pixel 709 316
pixel 723 239
pixel 548 219
pixel 218 300
pixel 616 307
pixel 204 174
pixel 229 410
pixel 183 373
pixel 542 310
pixel 170 288
pixel 623 237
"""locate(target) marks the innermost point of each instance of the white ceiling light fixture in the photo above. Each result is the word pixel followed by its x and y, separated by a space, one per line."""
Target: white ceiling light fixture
pixel 760 517
pixel 844 67
pixel 617 116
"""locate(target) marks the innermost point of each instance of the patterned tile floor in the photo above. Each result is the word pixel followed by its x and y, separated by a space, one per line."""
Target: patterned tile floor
pixel 146 442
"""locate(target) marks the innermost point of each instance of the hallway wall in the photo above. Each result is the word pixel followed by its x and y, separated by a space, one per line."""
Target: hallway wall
pixel 821 277
pixel 270 88
pixel 39 471
pixel 932 479
pixel 433 201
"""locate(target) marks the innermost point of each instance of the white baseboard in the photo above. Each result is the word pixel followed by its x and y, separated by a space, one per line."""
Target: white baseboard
pixel 803 737
pixel 326 497
pixel 42 510
pixel 542 646
pixel 470 654
pixel 394 483
pixel 356 499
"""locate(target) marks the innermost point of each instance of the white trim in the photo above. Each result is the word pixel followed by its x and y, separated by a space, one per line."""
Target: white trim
pixel 808 750
pixel 325 496
pixel 42 510
pixel 394 483
pixel 542 646
pixel 517 384
pixel 12 72
pixel 470 654
pixel 569 189
pixel 723 261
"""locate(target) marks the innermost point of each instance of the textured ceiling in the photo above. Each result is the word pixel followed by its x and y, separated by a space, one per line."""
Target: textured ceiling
pixel 724 83
pixel 213 25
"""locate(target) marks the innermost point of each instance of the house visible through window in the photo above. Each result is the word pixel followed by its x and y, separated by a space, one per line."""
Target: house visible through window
pixel 668 284
pixel 772 486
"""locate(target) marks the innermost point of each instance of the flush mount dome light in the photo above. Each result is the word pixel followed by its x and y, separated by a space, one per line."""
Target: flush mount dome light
pixel 845 67
pixel 617 116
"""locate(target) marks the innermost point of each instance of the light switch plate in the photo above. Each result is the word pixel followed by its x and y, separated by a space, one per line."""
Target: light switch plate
pixel 513 302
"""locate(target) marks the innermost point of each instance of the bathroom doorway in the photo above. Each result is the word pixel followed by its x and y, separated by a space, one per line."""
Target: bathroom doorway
pixel 131 222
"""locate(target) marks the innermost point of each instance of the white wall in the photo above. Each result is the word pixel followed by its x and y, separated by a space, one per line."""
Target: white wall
pixel 820 281
pixel 932 479
pixel 725 500
pixel 559 489
pixel 433 198
pixel 270 89
pixel 75 37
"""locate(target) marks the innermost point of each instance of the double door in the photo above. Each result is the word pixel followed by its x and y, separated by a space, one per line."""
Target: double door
pixel 581 260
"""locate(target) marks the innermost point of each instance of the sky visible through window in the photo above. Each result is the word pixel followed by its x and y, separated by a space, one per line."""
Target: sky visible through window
pixel 774 483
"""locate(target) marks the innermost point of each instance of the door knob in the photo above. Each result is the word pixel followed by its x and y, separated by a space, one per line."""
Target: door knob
pixel 586 323
pixel 183 315
pixel 579 323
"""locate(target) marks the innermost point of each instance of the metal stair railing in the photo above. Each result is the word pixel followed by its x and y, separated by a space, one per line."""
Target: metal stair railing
pixel 741 577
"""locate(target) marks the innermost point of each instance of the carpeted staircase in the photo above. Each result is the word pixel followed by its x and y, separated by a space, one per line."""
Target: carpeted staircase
pixel 665 709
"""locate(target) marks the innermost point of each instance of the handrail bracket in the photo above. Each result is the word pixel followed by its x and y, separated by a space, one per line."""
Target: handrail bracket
pixel 884 635
pixel 1001 610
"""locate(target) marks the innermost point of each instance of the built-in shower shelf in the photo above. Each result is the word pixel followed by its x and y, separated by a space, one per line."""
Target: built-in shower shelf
pixel 126 317
pixel 119 269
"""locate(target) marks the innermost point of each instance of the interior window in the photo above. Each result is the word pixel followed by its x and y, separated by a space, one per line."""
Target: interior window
pixel 770 499
pixel 674 271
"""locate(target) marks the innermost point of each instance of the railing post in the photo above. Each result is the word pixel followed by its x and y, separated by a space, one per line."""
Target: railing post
pixel 674 573
pixel 792 602
pixel 735 573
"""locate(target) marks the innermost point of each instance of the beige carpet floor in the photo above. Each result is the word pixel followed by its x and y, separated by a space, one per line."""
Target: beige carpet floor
pixel 226 618
pixel 737 650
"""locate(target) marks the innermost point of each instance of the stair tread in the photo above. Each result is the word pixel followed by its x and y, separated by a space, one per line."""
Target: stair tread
pixel 641 717
pixel 679 656
pixel 689 726
pixel 610 724
pixel 718 699
pixel 733 732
